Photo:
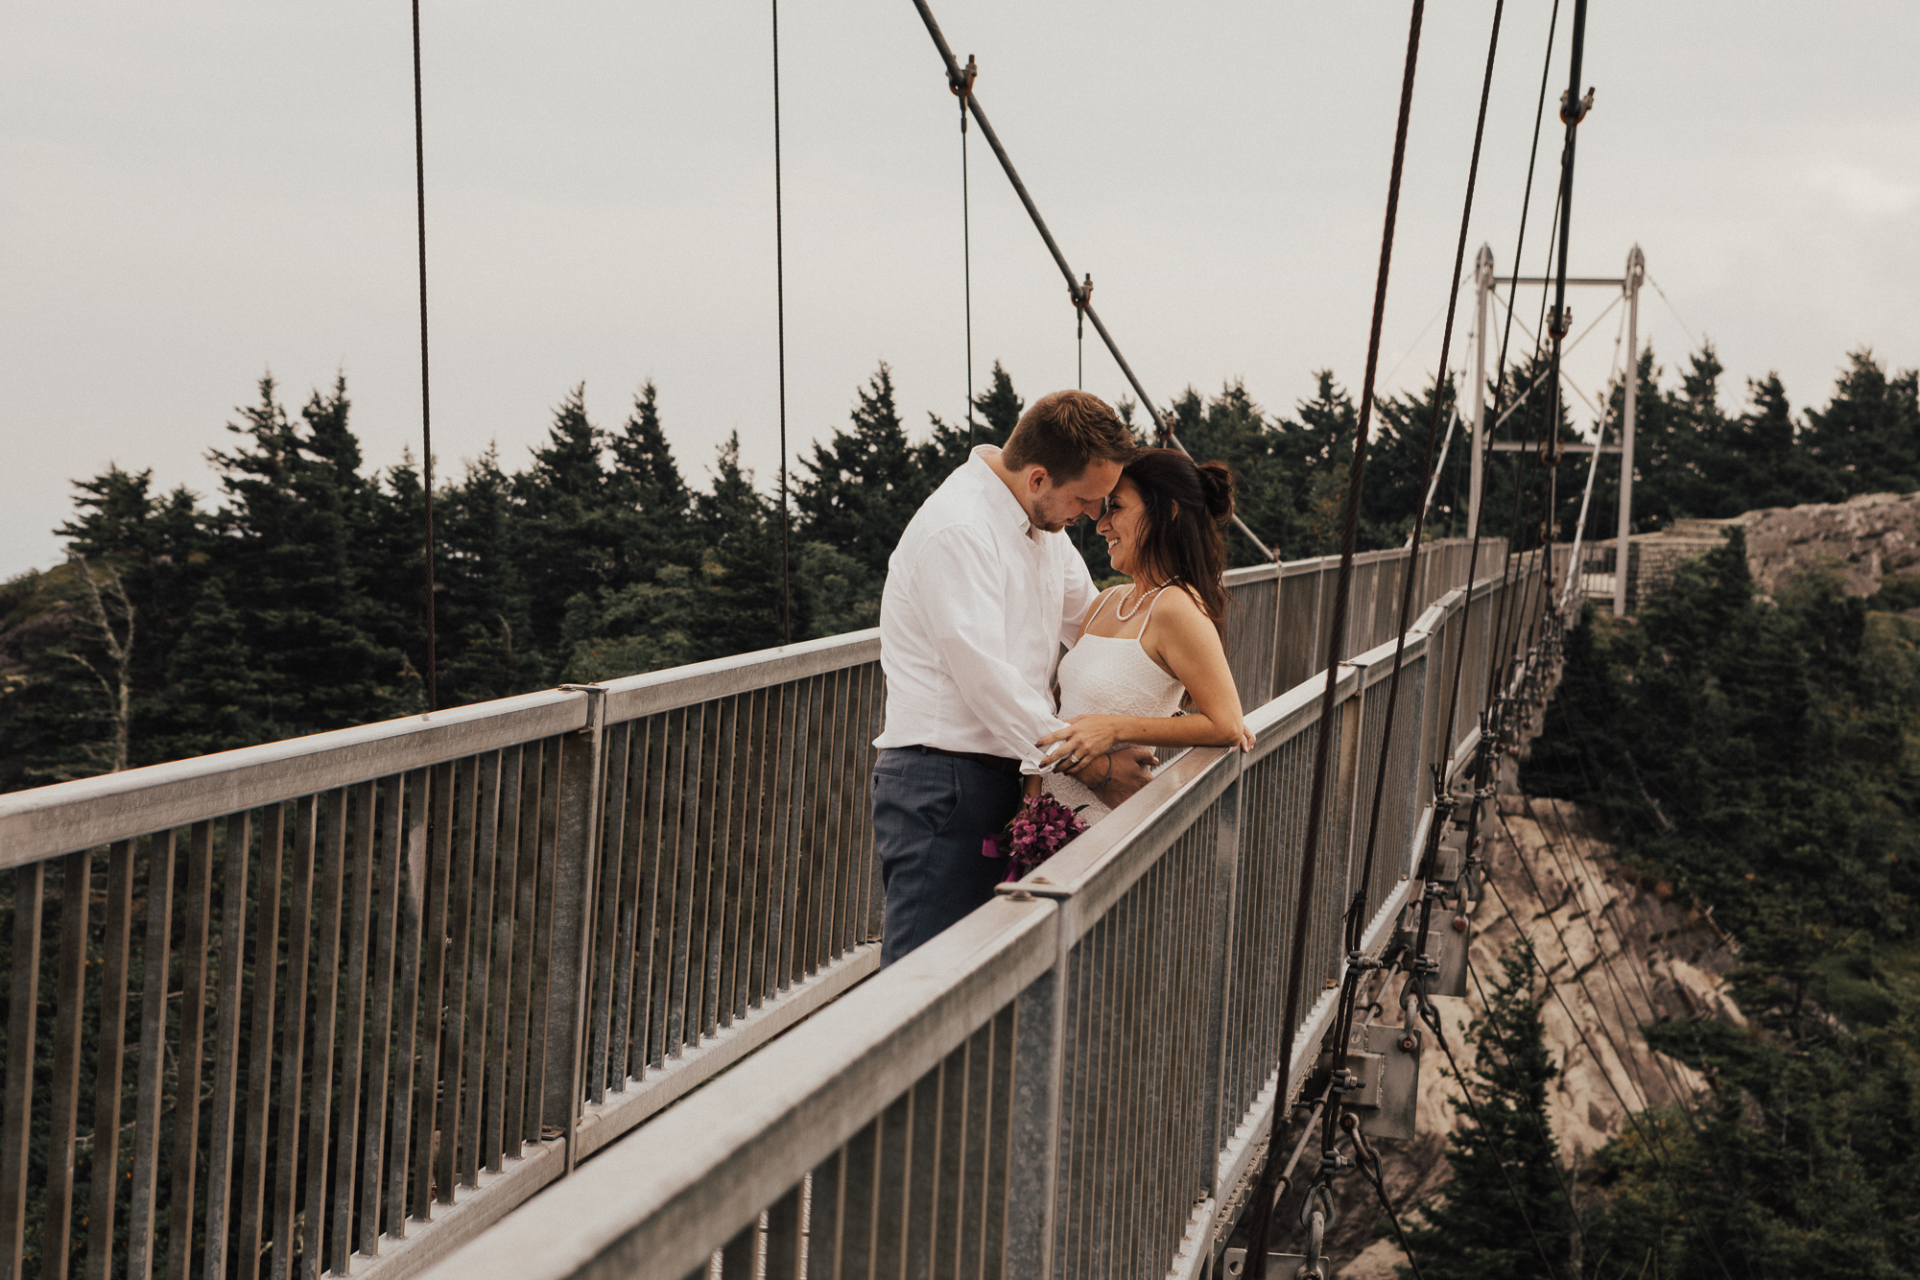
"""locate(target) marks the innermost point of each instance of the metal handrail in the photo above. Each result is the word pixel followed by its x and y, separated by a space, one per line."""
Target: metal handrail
pixel 634 885
pixel 1101 1066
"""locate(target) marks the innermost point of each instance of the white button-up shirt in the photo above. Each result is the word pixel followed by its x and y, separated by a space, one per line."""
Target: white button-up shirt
pixel 977 605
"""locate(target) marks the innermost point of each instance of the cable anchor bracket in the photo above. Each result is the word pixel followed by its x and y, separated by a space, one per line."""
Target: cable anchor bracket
pixel 962 87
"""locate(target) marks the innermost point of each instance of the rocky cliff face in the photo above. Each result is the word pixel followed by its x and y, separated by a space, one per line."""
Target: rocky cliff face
pixel 1873 536
pixel 1620 955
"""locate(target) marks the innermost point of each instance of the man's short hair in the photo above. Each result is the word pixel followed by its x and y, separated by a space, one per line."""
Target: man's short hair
pixel 1063 432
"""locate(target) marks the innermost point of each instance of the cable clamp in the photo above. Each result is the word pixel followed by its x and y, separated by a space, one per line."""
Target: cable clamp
pixel 961 85
pixel 1574 114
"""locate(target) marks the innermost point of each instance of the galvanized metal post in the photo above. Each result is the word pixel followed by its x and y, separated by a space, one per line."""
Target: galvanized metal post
pixel 576 858
pixel 1224 909
pixel 1482 284
pixel 1636 270
pixel 1033 1165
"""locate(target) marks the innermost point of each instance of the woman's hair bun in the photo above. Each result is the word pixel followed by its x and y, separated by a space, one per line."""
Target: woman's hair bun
pixel 1216 485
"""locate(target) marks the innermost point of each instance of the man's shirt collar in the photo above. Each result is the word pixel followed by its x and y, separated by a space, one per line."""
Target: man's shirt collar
pixel 1001 504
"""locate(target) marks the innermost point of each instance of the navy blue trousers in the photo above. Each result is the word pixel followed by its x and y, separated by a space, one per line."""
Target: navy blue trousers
pixel 930 813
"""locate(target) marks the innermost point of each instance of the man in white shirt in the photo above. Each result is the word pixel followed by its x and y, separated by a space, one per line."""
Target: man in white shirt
pixel 981 593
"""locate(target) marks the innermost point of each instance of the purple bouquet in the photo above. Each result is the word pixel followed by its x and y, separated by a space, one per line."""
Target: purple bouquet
pixel 1041 828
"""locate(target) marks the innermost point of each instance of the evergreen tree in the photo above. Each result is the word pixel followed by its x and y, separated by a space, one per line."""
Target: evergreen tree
pixel 1506 1191
pixel 860 488
pixel 1869 433
pixel 741 610
pixel 651 498
pixel 287 544
pixel 214 700
pixel 565 519
pixel 486 634
pixel 997 411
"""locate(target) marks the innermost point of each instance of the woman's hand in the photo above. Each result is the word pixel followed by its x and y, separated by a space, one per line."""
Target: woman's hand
pixel 1085 738
pixel 1247 737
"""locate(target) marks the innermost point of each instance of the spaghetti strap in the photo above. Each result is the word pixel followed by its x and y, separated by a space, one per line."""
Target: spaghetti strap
pixel 1099 603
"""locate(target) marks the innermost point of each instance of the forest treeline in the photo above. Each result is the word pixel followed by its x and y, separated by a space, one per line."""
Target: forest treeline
pixel 1760 756
pixel 290 601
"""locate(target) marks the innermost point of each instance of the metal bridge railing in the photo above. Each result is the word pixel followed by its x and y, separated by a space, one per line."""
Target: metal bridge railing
pixel 332 1005
pixel 1075 1080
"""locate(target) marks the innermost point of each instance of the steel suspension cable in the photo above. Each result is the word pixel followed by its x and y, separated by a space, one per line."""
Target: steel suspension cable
pixel 426 398
pixel 1500 365
pixel 1504 623
pixel 1355 922
pixel 780 321
pixel 961 90
pixel 1081 296
pixel 1262 1202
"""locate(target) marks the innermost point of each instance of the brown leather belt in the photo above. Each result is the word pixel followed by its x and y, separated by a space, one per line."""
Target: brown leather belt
pixel 999 764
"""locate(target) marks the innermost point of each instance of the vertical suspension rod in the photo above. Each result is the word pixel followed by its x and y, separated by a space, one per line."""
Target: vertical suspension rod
pixel 426 401
pixel 1081 297
pixel 780 318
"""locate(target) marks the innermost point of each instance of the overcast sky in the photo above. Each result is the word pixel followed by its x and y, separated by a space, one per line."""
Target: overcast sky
pixel 197 193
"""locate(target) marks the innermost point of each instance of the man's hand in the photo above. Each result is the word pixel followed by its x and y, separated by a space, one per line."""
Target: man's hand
pixel 1132 770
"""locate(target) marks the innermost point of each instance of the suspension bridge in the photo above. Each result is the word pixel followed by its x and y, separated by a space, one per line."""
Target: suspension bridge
pixel 347 1004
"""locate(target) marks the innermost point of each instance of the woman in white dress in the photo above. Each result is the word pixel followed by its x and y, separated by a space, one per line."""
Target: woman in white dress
pixel 1156 642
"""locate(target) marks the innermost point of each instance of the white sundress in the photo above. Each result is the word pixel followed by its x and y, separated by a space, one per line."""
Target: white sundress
pixel 1109 675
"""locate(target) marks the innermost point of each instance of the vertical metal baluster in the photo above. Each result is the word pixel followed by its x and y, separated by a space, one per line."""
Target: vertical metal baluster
pixel 709 867
pixel 738 1255
pixel 756 857
pixel 829 907
pixel 114 947
pixel 858 818
pixel 783 1257
pixel 539 1124
pixel 704 887
pixel 624 1064
pixel 75 890
pixel 188 1058
pixel 156 956
pixel 656 871
pixel 16 1113
pixel 735 925
pixel 920 1197
pixel 433 964
pixel 835 863
pixel 608 891
pixel 826 1218
pixel 724 893
pixel 894 1191
pixel 873 893
pixel 968 1163
pixel 459 922
pixel 500 986
pixel 1077 1116
pixel 390 822
pixel 533 774
pixel 411 901
pixel 226 1040
pixel 1003 1138
pixel 860 1201
pixel 812 831
pixel 360 802
pixel 326 1001
pixel 293 1030
pixel 266 966
pixel 687 817
pixel 784 720
pixel 473 1105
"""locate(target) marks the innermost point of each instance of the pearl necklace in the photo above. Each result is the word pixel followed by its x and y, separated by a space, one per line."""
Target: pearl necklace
pixel 1120 612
